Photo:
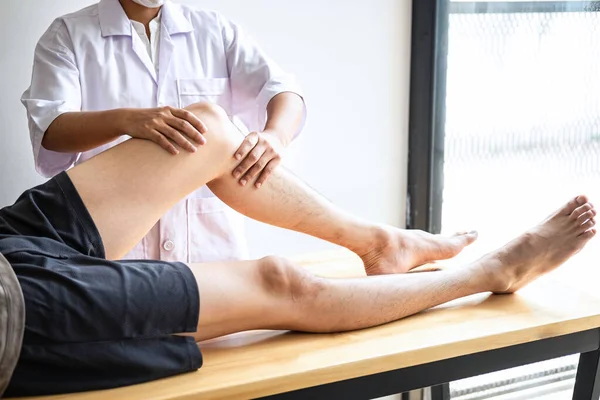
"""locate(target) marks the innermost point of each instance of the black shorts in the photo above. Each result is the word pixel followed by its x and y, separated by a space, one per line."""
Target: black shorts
pixel 91 323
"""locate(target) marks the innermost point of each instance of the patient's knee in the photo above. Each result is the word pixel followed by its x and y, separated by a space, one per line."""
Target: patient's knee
pixel 281 278
pixel 206 110
pixel 217 123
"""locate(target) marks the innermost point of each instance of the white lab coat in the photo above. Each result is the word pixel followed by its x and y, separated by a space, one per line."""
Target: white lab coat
pixel 93 60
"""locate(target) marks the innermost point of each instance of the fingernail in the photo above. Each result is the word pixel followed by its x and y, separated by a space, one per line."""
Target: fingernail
pixel 237 175
pixel 193 149
pixel 258 185
pixel 243 182
pixel 238 156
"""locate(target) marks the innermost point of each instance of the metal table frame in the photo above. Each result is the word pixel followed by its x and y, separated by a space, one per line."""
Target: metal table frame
pixel 436 374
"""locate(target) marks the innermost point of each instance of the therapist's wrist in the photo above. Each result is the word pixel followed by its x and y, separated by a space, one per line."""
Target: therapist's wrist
pixel 121 120
pixel 283 137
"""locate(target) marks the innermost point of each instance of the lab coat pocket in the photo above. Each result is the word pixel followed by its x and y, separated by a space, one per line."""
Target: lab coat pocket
pixel 216 232
pixel 213 90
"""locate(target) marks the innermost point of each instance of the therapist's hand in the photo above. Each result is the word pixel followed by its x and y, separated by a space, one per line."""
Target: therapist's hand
pixel 260 153
pixel 165 124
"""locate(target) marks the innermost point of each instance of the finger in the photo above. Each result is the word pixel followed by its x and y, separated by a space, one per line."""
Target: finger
pixel 191 118
pixel 267 171
pixel 163 142
pixel 177 137
pixel 185 128
pixel 247 145
pixel 257 167
pixel 248 162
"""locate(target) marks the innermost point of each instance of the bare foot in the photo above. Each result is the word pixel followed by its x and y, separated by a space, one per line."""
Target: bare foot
pixel 541 249
pixel 398 250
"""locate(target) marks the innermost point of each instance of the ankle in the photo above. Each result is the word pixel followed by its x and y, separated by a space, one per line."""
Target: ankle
pixel 489 276
pixel 376 238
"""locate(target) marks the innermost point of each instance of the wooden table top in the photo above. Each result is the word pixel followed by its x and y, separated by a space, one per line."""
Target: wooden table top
pixel 255 364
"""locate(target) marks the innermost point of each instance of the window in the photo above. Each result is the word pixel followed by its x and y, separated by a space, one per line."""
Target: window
pixel 505 127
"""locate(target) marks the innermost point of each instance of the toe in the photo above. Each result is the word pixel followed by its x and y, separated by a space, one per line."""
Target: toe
pixel 573 204
pixel 587 215
pixel 468 237
pixel 590 233
pixel 587 225
pixel 582 199
pixel 581 210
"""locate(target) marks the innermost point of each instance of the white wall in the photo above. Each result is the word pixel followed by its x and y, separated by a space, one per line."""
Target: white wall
pixel 352 57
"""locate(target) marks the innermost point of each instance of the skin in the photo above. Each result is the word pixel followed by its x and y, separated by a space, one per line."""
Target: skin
pixel 284 200
pixel 174 129
pixel 261 152
pixel 279 295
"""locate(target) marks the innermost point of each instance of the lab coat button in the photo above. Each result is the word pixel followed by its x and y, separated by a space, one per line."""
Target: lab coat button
pixel 168 245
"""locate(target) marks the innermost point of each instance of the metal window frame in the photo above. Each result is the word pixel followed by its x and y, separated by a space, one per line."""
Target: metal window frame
pixel 427 115
pixel 429 54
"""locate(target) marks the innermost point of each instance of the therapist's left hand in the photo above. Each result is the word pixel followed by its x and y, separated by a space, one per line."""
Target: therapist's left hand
pixel 260 153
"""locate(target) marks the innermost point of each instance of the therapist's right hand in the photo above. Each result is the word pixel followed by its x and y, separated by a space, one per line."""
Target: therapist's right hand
pixel 165 126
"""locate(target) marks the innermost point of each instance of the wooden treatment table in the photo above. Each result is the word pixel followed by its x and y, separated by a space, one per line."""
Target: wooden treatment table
pixel 467 337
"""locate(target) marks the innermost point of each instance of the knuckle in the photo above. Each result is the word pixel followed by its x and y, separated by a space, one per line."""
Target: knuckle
pixel 262 163
pixel 170 133
pixel 156 136
pixel 189 128
pixel 181 124
pixel 180 139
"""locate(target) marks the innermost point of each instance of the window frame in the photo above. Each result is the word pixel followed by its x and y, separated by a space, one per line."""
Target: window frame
pixel 429 54
pixel 427 99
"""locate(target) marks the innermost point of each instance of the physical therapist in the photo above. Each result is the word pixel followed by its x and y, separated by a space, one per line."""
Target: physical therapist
pixel 126 68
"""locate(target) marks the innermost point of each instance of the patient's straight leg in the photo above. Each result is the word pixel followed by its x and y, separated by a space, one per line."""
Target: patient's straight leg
pixel 272 293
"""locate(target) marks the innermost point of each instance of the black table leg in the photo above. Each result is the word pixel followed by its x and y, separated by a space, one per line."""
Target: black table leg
pixel 587 382
pixel 440 392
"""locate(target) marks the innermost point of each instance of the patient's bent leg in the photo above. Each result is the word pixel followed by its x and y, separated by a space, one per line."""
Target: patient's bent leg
pixel 129 187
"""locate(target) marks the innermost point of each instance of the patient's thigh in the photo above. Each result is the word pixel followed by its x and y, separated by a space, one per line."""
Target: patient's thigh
pixel 128 188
